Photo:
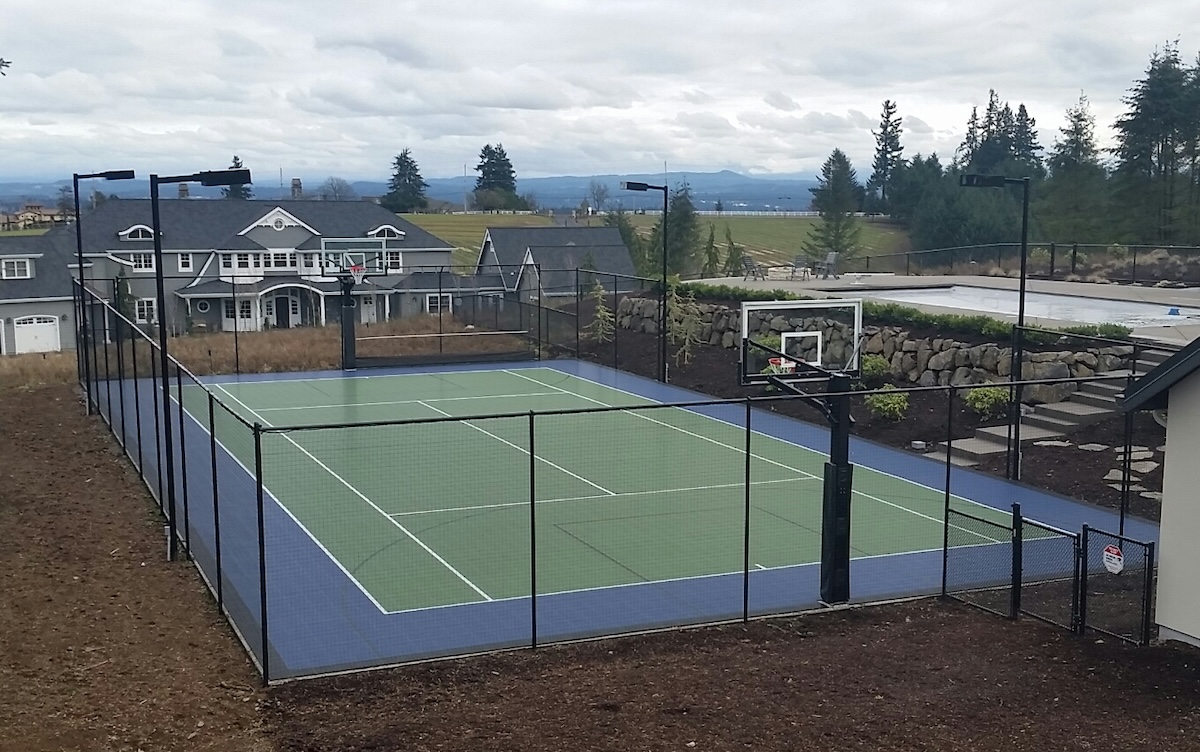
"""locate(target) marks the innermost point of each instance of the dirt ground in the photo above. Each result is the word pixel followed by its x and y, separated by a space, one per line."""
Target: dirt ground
pixel 105 646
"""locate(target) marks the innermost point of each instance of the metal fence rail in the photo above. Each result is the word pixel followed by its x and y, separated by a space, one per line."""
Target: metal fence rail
pixel 1117 586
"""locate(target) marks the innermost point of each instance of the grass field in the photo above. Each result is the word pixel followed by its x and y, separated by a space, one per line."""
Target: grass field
pixel 777 240
pixel 22 233
pixel 465 231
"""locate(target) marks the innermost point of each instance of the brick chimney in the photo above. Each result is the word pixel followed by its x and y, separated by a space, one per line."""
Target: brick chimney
pixel 183 191
pixel 297 189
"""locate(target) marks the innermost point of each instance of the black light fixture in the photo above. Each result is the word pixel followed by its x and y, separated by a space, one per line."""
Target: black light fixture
pixel 632 185
pixel 1013 468
pixel 81 338
pixel 208 178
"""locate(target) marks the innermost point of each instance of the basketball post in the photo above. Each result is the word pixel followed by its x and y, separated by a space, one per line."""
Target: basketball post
pixel 349 358
pixel 835 517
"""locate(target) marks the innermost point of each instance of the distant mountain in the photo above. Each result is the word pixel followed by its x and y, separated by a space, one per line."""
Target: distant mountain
pixel 734 190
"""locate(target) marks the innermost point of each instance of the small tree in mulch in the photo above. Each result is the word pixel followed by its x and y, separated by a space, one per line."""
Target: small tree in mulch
pixel 602 325
pixel 683 323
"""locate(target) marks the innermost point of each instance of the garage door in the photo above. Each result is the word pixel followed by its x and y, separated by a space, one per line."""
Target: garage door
pixel 36 334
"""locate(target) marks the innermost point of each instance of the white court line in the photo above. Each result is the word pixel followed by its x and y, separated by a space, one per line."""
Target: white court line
pixel 502 505
pixel 372 504
pixel 406 402
pixel 287 511
pixel 630 411
pixel 523 450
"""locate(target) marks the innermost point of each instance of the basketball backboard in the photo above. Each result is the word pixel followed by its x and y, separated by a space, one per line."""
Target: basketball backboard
pixel 814 336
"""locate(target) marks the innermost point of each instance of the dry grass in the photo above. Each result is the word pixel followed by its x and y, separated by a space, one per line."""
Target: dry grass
pixel 37 369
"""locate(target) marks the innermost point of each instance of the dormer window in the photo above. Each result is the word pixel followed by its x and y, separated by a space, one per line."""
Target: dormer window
pixel 137 232
pixel 16 269
pixel 387 231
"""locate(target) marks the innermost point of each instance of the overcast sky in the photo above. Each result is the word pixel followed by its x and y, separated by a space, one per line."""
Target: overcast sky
pixel 569 87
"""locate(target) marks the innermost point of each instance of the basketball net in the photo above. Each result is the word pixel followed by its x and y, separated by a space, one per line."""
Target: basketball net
pixel 358 272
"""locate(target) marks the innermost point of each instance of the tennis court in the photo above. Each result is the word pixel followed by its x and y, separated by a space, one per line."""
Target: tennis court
pixel 622 496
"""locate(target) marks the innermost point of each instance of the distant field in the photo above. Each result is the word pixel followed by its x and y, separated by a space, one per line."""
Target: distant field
pixel 777 240
pixel 465 231
pixel 20 233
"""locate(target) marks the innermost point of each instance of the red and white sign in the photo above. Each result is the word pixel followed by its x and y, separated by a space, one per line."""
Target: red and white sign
pixel 1114 560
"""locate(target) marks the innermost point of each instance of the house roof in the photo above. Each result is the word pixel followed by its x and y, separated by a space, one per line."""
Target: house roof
pixel 222 289
pixel 203 224
pixel 439 281
pixel 1150 391
pixel 558 264
pixel 51 278
pixel 512 243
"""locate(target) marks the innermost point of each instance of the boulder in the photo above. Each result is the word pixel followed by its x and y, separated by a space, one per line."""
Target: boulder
pixel 961 357
pixel 924 353
pixel 874 345
pixel 909 345
pixel 940 361
pixel 961 376
pixel 928 378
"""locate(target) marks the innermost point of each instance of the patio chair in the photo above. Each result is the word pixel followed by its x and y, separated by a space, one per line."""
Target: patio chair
pixel 751 269
pixel 800 268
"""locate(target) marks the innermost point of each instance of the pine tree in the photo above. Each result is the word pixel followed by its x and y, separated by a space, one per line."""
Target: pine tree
pixel 496 186
pixel 887 155
pixel 237 192
pixel 619 219
pixel 733 255
pixel 836 199
pixel 1076 147
pixel 1025 146
pixel 966 151
pixel 712 256
pixel 683 235
pixel 601 327
pixel 406 189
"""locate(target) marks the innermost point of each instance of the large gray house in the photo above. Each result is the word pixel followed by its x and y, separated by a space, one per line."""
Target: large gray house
pixel 258 264
pixel 36 310
pixel 518 254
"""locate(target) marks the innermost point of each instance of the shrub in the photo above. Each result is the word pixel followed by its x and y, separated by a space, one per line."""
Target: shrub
pixel 1040 257
pixel 874 370
pixel 889 402
pixel 996 328
pixel 988 402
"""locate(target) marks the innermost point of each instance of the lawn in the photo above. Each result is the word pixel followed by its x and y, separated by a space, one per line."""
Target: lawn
pixel 777 240
pixel 465 231
pixel 22 233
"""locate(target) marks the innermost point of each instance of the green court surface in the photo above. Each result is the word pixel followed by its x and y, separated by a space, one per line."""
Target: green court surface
pixel 431 514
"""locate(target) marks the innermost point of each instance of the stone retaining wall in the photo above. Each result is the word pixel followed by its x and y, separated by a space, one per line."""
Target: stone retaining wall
pixel 927 361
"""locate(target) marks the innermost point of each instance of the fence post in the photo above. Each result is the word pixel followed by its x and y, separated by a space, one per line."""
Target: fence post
pixel 1126 460
pixel 1133 271
pixel 946 492
pixel 1083 579
pixel 746 525
pixel 1052 255
pixel 212 448
pixel 107 382
pixel 533 625
pixel 616 321
pixel 137 406
pixel 1018 536
pixel 262 553
pixel 117 327
pixel 155 385
pixel 187 534
pixel 578 310
pixel 1147 595
pixel 1074 256
pixel 907 264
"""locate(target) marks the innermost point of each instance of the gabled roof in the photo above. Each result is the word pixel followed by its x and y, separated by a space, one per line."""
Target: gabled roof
pixel 51 277
pixel 1150 391
pixel 201 224
pixel 558 264
pixel 512 243
pixel 447 282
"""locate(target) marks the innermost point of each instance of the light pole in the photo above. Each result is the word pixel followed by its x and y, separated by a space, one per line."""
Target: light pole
pixel 1013 467
pixel 81 339
pixel 209 178
pixel 662 321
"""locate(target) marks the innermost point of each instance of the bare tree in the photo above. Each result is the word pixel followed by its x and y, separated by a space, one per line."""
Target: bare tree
pixel 599 194
pixel 336 189
pixel 4 64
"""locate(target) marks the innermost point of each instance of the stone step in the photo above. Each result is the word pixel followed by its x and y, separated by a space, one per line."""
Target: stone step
pixel 999 434
pixel 1153 356
pixel 1076 412
pixel 974 449
pixel 1104 401
pixel 1042 420
pixel 1103 388
pixel 955 459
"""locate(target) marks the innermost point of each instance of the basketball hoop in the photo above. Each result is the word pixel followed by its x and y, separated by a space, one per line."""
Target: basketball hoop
pixel 781 365
pixel 358 272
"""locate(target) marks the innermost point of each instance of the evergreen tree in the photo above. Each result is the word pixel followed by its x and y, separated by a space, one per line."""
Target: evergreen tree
pixel 836 199
pixel 1072 205
pixel 887 156
pixel 733 255
pixel 1076 147
pixel 966 151
pixel 237 192
pixel 496 186
pixel 910 182
pixel 406 189
pixel 712 256
pixel 683 236
pixel 1025 146
pixel 619 219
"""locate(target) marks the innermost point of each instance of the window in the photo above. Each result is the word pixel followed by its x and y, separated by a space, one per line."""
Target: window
pixel 243 261
pixel 144 310
pixel 295 306
pixel 391 260
pixel 142 262
pixel 387 232
pixel 244 307
pixel 258 260
pixel 16 269
pixel 140 232
pixel 279 260
pixel 202 306
pixel 269 309
pixel 226 260
pixel 435 303
pixel 185 262
pixel 310 260
pixel 228 309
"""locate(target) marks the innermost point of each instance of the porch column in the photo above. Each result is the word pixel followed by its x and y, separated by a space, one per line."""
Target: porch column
pixel 322 299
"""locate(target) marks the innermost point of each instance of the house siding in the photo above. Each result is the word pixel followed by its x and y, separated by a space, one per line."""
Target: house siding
pixel 1178 610
pixel 62 310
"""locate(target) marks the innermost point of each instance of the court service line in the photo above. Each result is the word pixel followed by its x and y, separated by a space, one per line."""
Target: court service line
pixel 865 495
pixel 363 496
pixel 406 402
pixel 502 505
pixel 521 449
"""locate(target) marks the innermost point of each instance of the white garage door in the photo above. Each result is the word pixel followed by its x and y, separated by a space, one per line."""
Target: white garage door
pixel 36 334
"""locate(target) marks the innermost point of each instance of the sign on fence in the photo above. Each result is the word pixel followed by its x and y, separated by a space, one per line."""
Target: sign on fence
pixel 1114 560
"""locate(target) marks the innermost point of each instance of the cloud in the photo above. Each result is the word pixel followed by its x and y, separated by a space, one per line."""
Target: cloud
pixel 781 101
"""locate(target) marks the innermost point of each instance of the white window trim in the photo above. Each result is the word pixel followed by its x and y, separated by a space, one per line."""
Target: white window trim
pixel 142 269
pixel 431 296
pixel 203 306
pixel 145 305
pixel 4 274
pixel 190 262
pixel 140 229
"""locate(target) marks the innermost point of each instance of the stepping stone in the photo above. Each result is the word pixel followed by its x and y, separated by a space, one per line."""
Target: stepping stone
pixel 1163 448
pixel 1093 447
pixel 1052 443
pixel 1143 467
pixel 1136 455
pixel 1134 487
pixel 1134 448
pixel 1152 495
pixel 1116 475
